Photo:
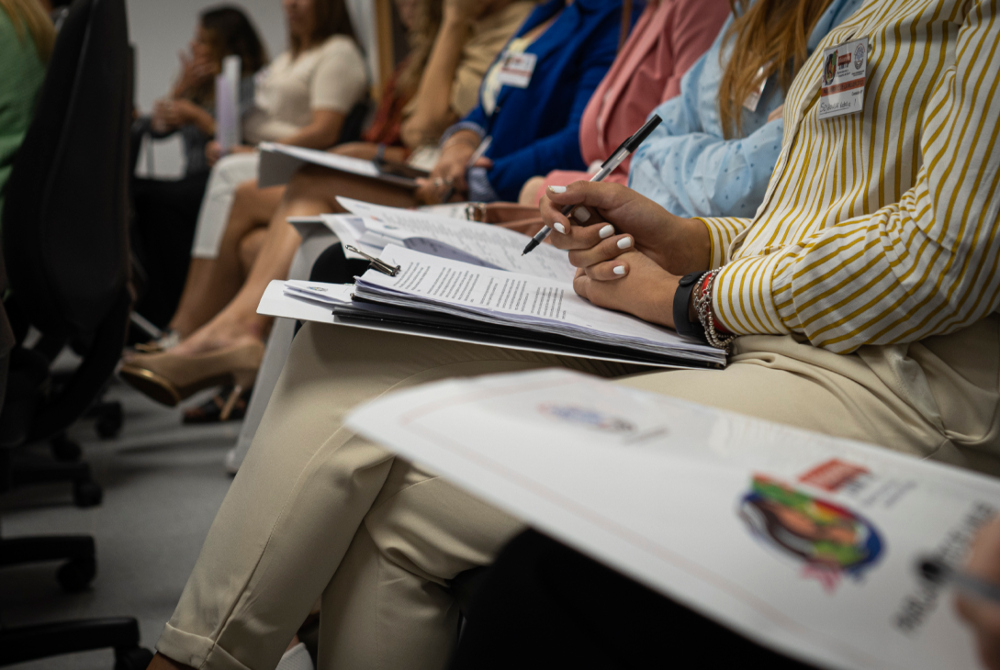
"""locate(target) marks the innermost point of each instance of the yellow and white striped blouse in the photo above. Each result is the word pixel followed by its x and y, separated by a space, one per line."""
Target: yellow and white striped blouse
pixel 879 227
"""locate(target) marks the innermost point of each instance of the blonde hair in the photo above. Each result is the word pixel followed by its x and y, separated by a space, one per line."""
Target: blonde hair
pixel 28 15
pixel 770 34
pixel 426 22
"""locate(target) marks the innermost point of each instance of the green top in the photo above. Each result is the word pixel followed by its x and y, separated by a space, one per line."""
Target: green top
pixel 21 75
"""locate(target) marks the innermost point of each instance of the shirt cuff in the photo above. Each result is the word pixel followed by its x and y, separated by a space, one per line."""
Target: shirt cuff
pixel 480 188
pixel 744 298
pixel 460 126
pixel 721 233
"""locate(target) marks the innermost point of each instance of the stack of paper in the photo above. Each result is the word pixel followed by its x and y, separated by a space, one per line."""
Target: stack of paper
pixel 429 284
pixel 372 227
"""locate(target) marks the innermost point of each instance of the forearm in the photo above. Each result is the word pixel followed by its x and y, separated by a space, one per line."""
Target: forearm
pixel 203 120
pixel 318 134
pixel 433 113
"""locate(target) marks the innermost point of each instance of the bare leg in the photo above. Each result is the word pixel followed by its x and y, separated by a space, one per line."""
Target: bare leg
pixel 212 283
pixel 312 191
pixel 250 247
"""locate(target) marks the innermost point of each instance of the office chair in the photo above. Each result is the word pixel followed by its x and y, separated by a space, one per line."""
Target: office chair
pixel 65 247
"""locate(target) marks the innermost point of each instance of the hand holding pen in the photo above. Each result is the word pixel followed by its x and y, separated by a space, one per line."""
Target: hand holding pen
pixel 977 589
pixel 624 150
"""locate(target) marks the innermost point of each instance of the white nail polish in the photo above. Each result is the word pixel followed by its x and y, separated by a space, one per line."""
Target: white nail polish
pixel 619 270
pixel 582 214
pixel 557 189
pixel 606 232
pixel 625 243
pixel 559 227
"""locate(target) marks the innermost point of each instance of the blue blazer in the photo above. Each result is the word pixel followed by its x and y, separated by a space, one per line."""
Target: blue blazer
pixel 537 129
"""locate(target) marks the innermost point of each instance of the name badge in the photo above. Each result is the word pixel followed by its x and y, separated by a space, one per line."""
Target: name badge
pixel 845 68
pixel 516 69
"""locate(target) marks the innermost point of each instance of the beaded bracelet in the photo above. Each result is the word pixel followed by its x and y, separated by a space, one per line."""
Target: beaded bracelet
pixel 703 308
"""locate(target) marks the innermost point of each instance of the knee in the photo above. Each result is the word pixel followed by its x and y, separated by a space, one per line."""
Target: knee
pixel 246 189
pixel 249 248
pixel 308 179
pixel 531 191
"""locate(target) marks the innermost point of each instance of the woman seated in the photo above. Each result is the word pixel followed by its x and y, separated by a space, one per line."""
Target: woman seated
pixel 858 301
pixel 444 68
pixel 573 42
pixel 26 40
pixel 166 210
pixel 302 99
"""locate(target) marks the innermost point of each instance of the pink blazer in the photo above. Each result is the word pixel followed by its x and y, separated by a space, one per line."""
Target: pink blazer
pixel 669 37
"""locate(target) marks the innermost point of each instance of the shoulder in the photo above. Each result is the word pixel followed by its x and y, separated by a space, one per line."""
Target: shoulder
pixel 338 47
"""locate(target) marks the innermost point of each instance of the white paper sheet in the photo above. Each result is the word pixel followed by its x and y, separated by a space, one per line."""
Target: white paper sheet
pixel 228 126
pixel 278 302
pixel 677 495
pixel 496 247
pixel 278 162
pixel 326 293
pixel 540 304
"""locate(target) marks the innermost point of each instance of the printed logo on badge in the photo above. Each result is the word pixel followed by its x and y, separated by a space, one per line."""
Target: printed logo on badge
pixel 830 71
pixel 845 69
pixel 516 69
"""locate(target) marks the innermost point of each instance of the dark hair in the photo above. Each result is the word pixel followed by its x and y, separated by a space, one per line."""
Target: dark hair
pixel 331 19
pixel 234 35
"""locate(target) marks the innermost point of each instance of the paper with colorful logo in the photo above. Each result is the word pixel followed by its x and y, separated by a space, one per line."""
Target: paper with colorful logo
pixel 803 542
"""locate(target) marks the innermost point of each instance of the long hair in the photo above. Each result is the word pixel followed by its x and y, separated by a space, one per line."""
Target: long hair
pixel 29 19
pixel 426 22
pixel 232 34
pixel 331 19
pixel 769 34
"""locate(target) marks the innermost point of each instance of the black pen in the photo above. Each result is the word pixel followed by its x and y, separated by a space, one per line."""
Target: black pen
pixel 623 151
pixel 938 572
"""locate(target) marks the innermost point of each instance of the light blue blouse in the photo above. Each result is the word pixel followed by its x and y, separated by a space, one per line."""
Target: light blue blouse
pixel 687 166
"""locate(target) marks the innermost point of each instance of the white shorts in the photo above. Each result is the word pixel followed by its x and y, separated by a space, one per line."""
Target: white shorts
pixel 228 173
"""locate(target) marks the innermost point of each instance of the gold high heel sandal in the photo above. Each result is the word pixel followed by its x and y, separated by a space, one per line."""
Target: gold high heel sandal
pixel 169 378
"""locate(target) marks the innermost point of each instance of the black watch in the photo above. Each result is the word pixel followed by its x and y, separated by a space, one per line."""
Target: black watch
pixel 682 299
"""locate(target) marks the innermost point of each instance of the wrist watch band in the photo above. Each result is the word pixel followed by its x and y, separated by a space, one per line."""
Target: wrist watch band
pixel 682 301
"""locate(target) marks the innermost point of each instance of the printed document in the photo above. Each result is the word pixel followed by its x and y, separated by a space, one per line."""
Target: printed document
pixel 802 542
pixel 467 241
pixel 539 304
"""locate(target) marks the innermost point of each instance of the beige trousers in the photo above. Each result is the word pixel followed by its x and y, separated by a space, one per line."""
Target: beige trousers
pixel 318 511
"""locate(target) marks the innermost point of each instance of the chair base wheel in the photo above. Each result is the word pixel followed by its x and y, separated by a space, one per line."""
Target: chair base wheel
pixel 109 420
pixel 65 450
pixel 76 575
pixel 87 494
pixel 136 658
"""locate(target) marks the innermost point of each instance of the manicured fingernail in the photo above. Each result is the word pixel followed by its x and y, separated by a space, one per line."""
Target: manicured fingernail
pixel 619 269
pixel 560 227
pixel 625 243
pixel 606 232
pixel 581 214
pixel 557 189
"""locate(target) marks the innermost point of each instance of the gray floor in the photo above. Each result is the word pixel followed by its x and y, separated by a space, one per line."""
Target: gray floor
pixel 162 486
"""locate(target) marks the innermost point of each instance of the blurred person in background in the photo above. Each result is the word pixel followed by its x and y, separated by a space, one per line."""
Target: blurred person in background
pixel 302 99
pixel 453 45
pixel 26 41
pixel 166 210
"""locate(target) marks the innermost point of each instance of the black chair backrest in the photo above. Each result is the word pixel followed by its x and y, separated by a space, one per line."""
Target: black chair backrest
pixel 65 235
